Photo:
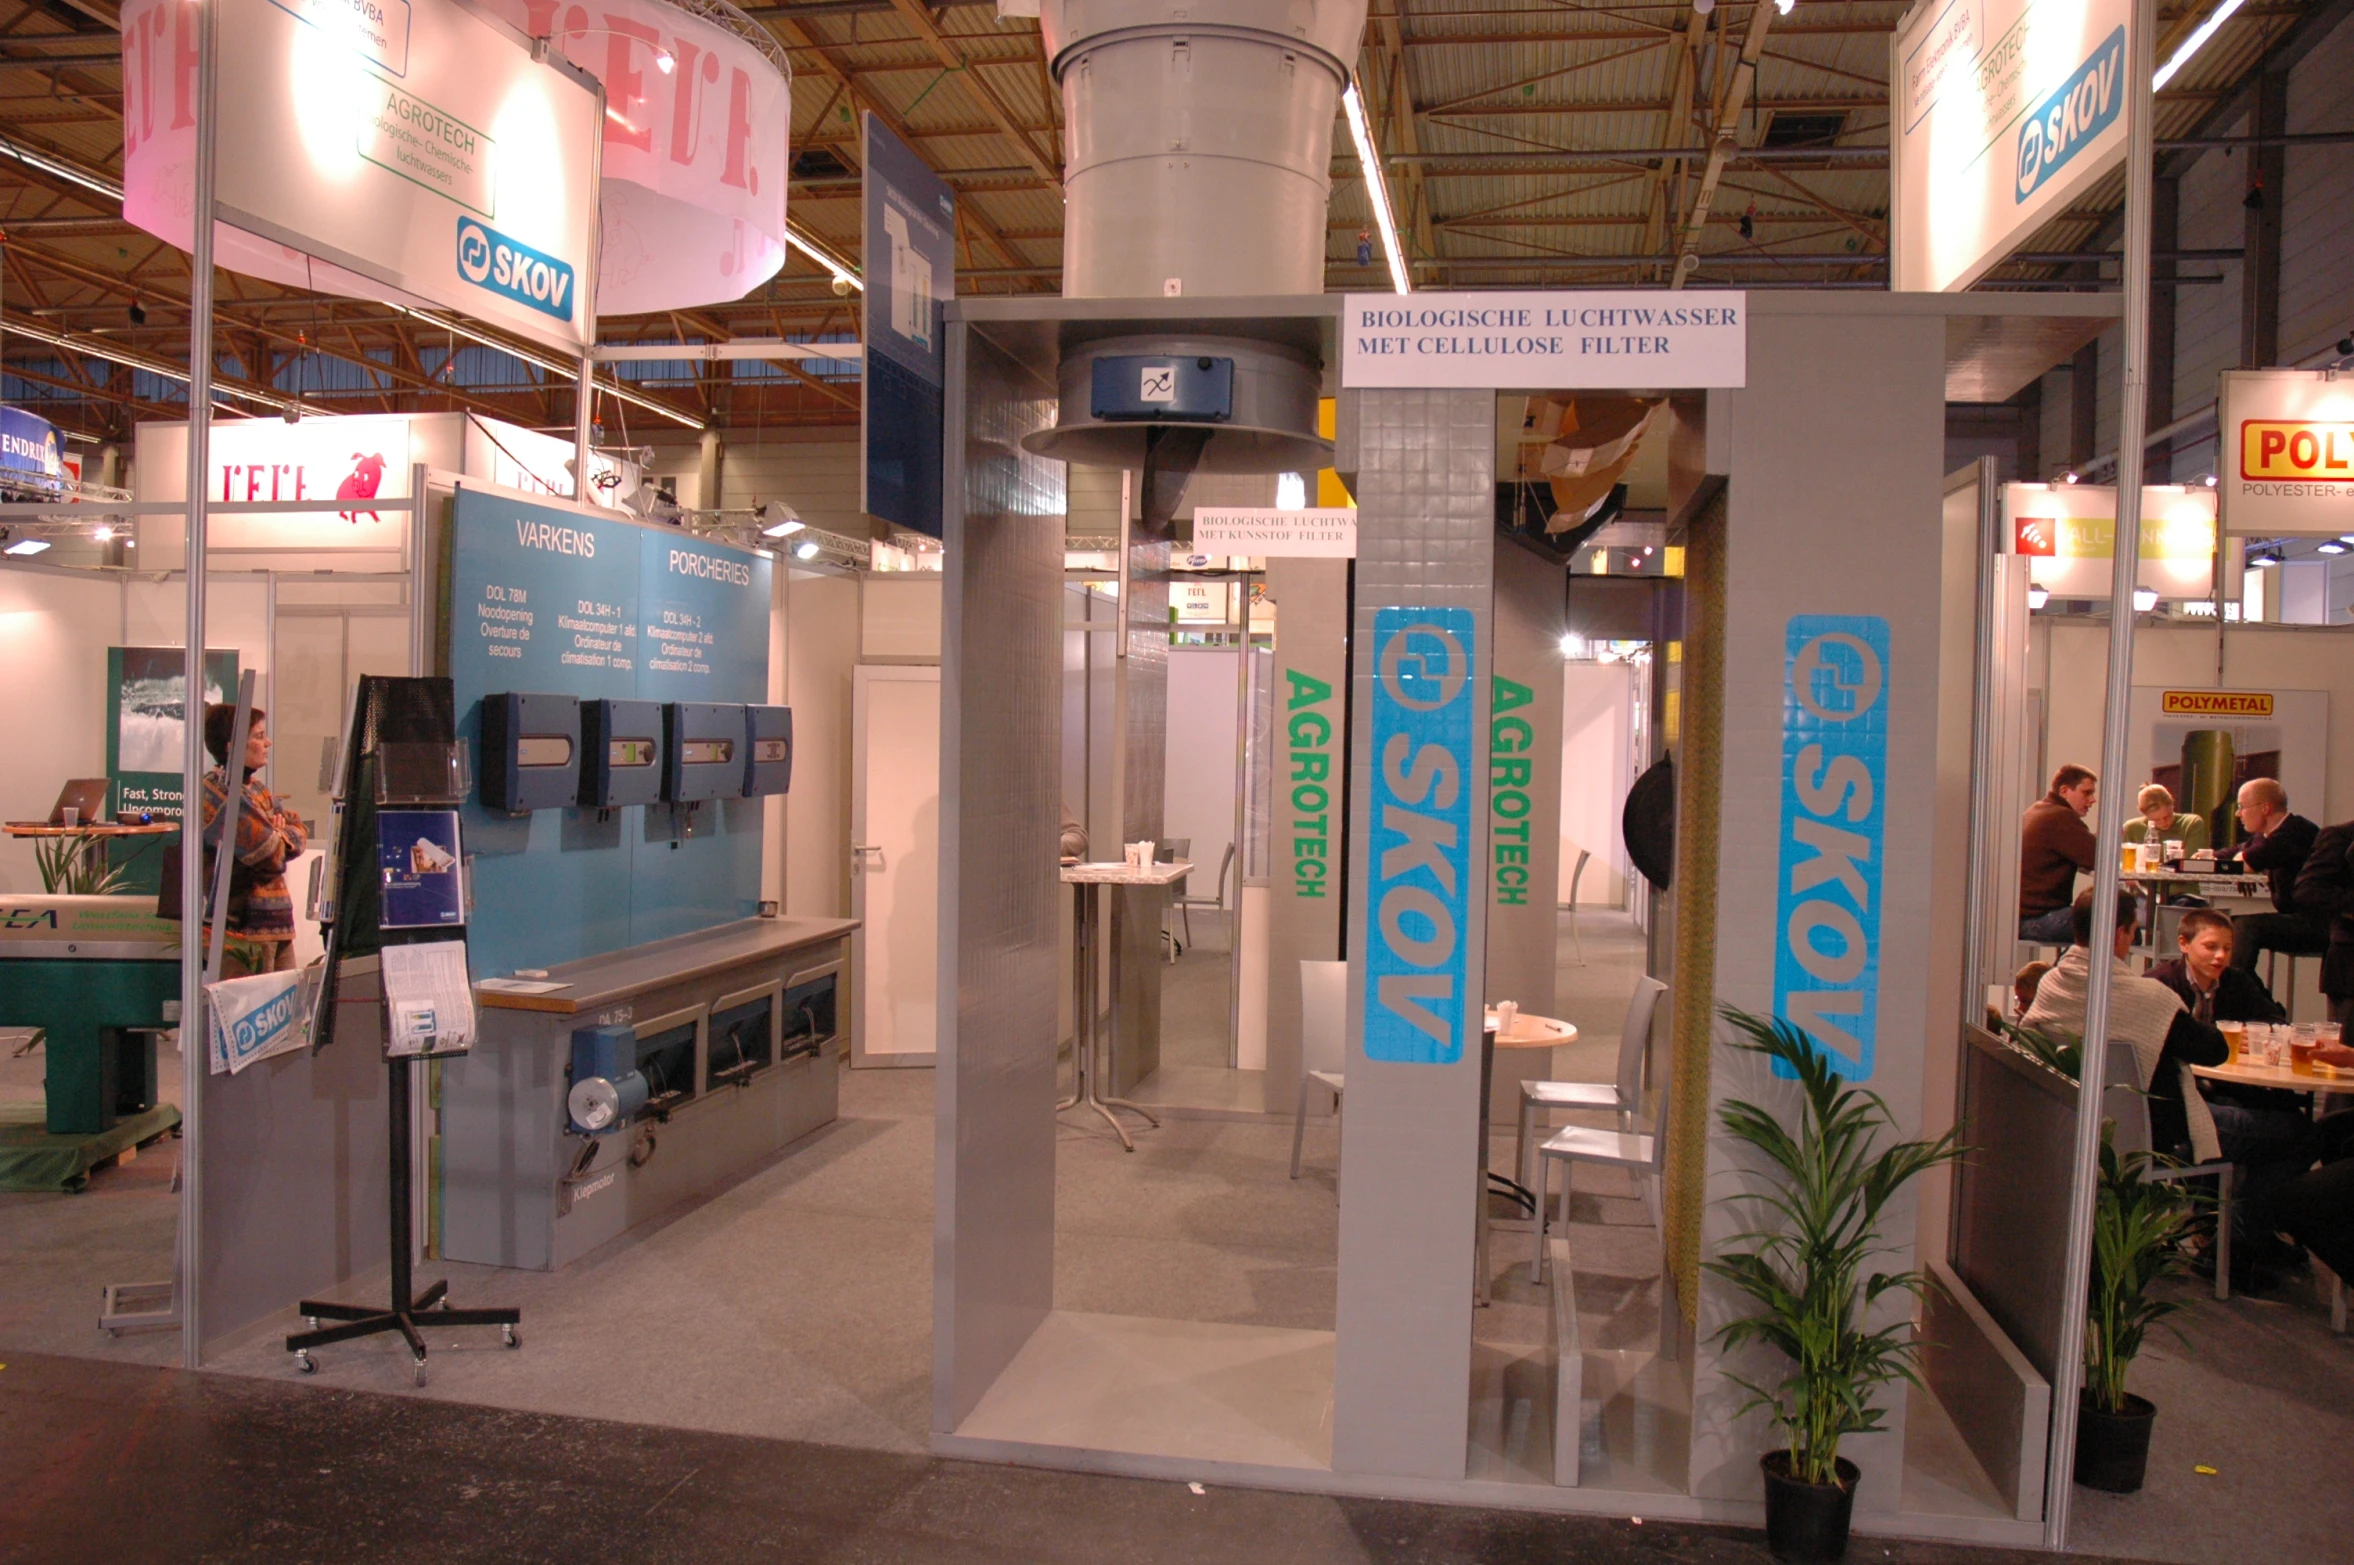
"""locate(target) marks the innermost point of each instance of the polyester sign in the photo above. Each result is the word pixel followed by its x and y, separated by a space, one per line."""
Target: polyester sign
pixel 1417 968
pixel 1834 771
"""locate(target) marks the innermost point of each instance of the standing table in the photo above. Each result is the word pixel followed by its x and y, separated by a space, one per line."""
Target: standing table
pixel 1088 882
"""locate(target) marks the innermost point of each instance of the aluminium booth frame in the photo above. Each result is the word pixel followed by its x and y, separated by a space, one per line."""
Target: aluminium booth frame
pixel 1819 487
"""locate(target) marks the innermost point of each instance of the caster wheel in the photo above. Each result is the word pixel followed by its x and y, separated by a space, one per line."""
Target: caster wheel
pixel 514 1337
pixel 311 1321
pixel 420 1372
pixel 305 1363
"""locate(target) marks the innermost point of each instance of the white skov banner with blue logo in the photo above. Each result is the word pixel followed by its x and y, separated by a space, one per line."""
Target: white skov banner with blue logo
pixel 414 152
pixel 2006 110
pixel 1833 818
pixel 1419 986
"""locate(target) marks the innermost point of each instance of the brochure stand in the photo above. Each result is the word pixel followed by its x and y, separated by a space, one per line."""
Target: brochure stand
pixel 401 750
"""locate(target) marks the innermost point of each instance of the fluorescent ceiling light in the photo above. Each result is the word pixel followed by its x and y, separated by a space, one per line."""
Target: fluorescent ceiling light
pixel 58 168
pixel 2334 546
pixel 27 546
pixel 842 274
pixel 2193 44
pixel 1376 188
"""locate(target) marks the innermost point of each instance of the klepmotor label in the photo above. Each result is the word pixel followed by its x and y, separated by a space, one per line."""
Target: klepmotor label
pixel 490 260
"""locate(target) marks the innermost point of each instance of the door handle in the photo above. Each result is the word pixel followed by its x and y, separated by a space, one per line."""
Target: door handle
pixel 859 851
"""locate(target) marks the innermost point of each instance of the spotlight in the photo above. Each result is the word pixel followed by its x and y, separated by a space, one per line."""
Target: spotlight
pixel 779 520
pixel 1785 6
pixel 2144 599
pixel 2209 480
pixel 103 533
pixel 1573 645
pixel 2071 478
pixel 806 550
pixel 138 313
pixel 2038 596
pixel 2263 559
pixel 665 61
pixel 1704 6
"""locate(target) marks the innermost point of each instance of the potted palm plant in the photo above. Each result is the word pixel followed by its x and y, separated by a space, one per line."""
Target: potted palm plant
pixel 1808 1268
pixel 2137 1228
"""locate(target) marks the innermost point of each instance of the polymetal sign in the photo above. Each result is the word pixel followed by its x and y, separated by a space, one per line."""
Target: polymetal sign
pixel 2285 453
pixel 414 152
pixel 1418 980
pixel 1553 341
pixel 2006 110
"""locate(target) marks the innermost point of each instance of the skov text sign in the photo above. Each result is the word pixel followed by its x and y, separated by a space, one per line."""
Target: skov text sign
pixel 1418 981
pixel 1833 819
pixel 1557 340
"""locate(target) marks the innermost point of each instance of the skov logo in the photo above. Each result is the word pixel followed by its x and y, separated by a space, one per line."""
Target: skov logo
pixel 473 251
pixel 507 267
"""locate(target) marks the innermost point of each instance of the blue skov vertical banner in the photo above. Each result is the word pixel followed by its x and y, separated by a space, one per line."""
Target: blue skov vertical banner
pixel 1418 983
pixel 1833 819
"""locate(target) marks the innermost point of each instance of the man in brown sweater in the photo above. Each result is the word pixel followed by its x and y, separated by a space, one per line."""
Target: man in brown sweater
pixel 2053 846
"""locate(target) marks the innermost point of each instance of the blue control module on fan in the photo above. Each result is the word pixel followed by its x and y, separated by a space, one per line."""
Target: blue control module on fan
pixel 1181 388
pixel 768 750
pixel 530 751
pixel 607 1089
pixel 702 751
pixel 621 753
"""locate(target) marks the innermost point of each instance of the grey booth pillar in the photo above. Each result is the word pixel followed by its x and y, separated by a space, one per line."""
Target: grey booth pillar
pixel 1001 960
pixel 1425 483
pixel 1304 877
pixel 1835 455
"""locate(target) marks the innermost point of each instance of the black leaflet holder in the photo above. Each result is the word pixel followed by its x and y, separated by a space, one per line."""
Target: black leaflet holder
pixel 768 750
pixel 621 753
pixel 702 752
pixel 530 751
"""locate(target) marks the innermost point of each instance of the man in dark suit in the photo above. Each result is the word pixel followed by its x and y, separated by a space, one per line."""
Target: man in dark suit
pixel 2277 846
pixel 2325 890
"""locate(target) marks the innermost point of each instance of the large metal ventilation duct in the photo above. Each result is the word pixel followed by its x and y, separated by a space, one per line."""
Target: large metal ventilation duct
pixel 1199 149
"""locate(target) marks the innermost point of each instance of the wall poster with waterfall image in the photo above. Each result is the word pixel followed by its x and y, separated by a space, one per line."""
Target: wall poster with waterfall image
pixel 146 706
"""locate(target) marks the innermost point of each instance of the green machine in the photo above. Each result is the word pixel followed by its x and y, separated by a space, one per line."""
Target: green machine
pixel 99 975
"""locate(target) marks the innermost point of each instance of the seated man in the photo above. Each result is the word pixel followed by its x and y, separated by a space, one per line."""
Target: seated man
pixel 2024 983
pixel 2053 846
pixel 2276 847
pixel 2203 976
pixel 2167 1040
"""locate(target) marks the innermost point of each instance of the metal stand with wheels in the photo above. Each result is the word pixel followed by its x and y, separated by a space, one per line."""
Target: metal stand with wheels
pixel 1088 882
pixel 406 1309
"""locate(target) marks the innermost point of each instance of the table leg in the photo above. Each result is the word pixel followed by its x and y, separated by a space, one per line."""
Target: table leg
pixel 1082 997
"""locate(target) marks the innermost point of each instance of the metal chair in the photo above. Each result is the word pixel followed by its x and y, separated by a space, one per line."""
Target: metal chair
pixel 1184 902
pixel 1643 1154
pixel 2126 1103
pixel 1167 851
pixel 1576 941
pixel 1620 1097
pixel 1324 1044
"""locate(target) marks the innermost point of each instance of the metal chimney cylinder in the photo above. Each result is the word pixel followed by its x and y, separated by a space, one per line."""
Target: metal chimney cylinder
pixel 1198 150
pixel 1199 142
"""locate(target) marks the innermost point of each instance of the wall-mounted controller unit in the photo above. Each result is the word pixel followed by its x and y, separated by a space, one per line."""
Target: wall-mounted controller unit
pixel 768 750
pixel 530 751
pixel 621 753
pixel 607 1090
pixel 702 752
pixel 1181 388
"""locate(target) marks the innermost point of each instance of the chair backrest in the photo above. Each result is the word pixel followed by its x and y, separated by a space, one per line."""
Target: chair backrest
pixel 1170 849
pixel 1225 863
pixel 1659 1113
pixel 2123 1100
pixel 1634 1040
pixel 1578 874
pixel 1324 1016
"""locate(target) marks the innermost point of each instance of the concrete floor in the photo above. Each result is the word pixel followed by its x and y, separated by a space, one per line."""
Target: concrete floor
pixel 109 1463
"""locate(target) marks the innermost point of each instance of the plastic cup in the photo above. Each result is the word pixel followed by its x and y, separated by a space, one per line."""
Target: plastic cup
pixel 71 815
pixel 2235 1034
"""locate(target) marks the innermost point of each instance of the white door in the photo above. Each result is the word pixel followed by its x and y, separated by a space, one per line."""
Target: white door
pixel 895 862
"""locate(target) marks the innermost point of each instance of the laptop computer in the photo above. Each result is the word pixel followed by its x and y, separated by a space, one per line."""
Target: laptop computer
pixel 86 794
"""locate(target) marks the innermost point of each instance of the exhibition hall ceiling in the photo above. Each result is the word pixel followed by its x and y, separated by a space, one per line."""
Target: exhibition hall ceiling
pixel 1527 145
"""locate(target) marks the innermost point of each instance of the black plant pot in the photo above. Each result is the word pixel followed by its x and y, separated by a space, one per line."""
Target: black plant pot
pixel 2113 1449
pixel 1806 1523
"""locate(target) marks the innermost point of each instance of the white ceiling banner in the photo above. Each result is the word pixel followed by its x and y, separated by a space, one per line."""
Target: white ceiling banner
pixel 695 156
pixel 411 150
pixel 2006 110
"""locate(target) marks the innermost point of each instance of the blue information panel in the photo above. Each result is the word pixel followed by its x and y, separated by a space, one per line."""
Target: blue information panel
pixel 1834 774
pixel 545 598
pixel 417 858
pixel 1418 986
pixel 910 234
